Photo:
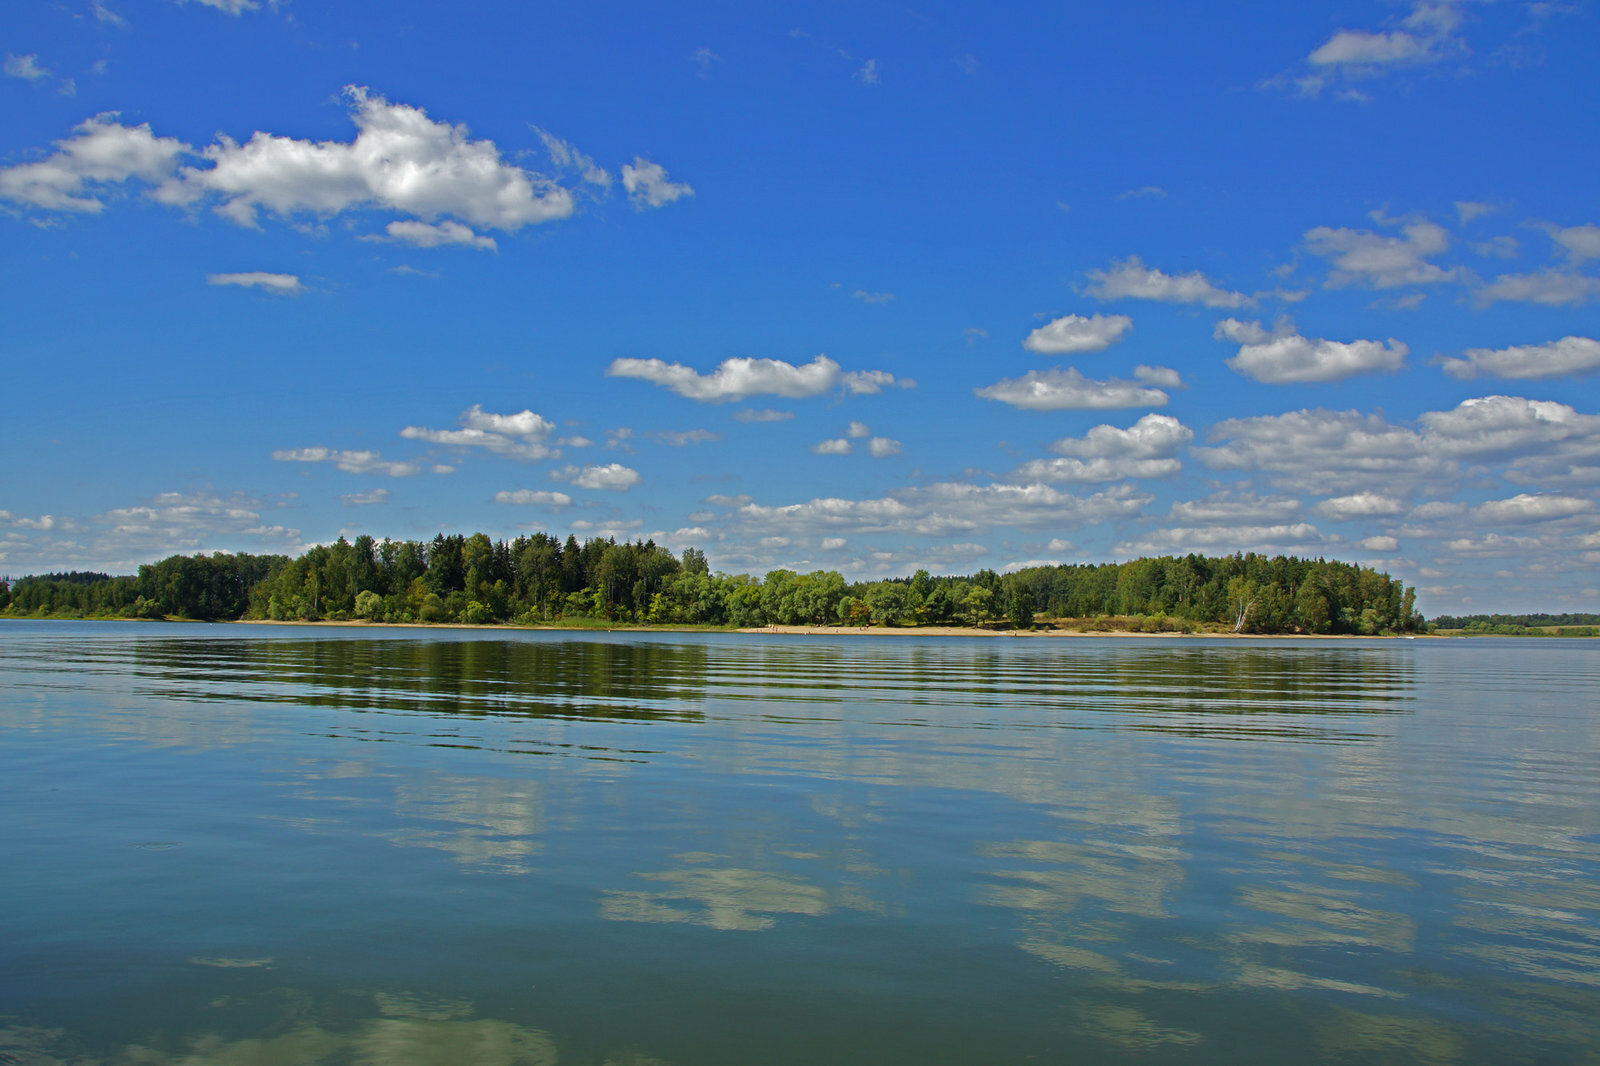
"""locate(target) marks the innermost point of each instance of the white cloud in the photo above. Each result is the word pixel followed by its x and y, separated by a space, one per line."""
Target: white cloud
pixel 1131 279
pixel 1376 261
pixel 1470 210
pixel 284 284
pixel 1075 333
pixel 400 160
pixel 830 544
pixel 533 498
pixel 1162 376
pixel 737 378
pixel 1234 507
pixel 612 476
pixel 1378 544
pixel 1069 390
pixel 1223 540
pixel 523 435
pixel 231 7
pixel 763 415
pixel 1285 357
pixel 1143 192
pixel 424 235
pixel 1092 471
pixel 1538 442
pixel 1428 34
pixel 1497 247
pixel 1569 355
pixel 25 67
pixel 1233 329
pixel 647 184
pixel 1359 505
pixel 365 499
pixel 1321 450
pixel 43 523
pixel 1152 437
pixel 857 430
pixel 867 73
pixel 1580 242
pixel 566 157
pixel 873 297
pixel 681 438
pixel 1554 288
pixel 1527 507
pixel 1360 48
pixel 943 509
pixel 1144 450
pixel 351 462
pixel 1508 427
pixel 838 446
pixel 883 447
pixel 103 152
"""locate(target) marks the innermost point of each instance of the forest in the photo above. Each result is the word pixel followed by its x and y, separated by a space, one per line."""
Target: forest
pixel 539 579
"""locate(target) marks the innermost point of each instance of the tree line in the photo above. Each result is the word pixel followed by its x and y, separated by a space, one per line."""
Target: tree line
pixel 541 579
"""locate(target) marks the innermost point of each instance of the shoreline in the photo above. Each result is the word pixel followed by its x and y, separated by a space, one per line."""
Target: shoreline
pixel 823 631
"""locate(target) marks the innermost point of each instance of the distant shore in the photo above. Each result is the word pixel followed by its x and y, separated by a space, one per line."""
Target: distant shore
pixel 826 631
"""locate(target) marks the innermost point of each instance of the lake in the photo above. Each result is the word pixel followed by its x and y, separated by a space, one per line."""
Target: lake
pixel 229 844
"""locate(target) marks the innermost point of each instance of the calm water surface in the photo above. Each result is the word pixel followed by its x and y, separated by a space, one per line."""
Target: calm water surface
pixel 243 845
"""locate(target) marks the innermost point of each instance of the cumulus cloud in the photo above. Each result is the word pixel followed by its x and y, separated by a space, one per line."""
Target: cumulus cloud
pixel 1362 48
pixel 400 160
pixel 351 462
pixel 446 185
pixel 1538 442
pixel 1223 540
pixel 1069 390
pixel 1075 333
pixel 283 284
pixel 102 153
pixel 1579 242
pixel 837 446
pixel 612 476
pixel 648 186
pixel 1321 449
pixel 365 499
pixel 767 414
pixel 882 447
pixel 25 67
pixel 425 235
pixel 681 438
pixel 1235 507
pixel 737 378
pixel 1162 376
pixel 1359 505
pixel 1131 279
pixel 1284 357
pixel 533 498
pixel 1377 261
pixel 1378 544
pixel 1428 34
pixel 523 435
pixel 943 509
pixel 873 297
pixel 1469 211
pixel 857 430
pixel 1553 288
pixel 1527 507
pixel 1107 453
pixel 1569 355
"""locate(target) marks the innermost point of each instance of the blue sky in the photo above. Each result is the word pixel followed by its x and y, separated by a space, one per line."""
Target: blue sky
pixel 859 287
